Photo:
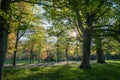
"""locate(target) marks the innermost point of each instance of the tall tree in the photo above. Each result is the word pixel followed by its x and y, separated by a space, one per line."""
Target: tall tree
pixel 4 26
pixel 23 17
pixel 86 13
pixel 19 13
pixel 91 14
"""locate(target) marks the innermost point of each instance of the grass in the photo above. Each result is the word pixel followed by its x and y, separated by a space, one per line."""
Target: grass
pixel 108 71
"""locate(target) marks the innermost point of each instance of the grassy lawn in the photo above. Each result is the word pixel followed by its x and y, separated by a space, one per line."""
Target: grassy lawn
pixel 108 71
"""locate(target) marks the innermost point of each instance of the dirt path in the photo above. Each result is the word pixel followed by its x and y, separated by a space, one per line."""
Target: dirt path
pixel 41 64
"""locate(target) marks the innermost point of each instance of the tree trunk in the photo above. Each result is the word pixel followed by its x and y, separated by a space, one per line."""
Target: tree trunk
pixel 86 50
pixel 99 52
pixel 3 49
pixel 3 42
pixel 39 58
pixel 14 55
pixel 66 54
pixel 4 26
pixel 15 51
pixel 86 36
pixel 31 53
pixel 58 54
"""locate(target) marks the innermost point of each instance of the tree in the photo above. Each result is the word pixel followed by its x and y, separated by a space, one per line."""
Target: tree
pixel 23 17
pixel 111 48
pixel 4 26
pixel 66 36
pixel 92 14
pixel 36 40
pixel 4 29
pixel 86 13
pixel 20 29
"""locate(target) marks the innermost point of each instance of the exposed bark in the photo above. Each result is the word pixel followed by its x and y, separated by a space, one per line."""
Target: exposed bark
pixel 99 51
pixel 3 49
pixel 86 50
pixel 15 51
pixel 87 38
pixel 4 26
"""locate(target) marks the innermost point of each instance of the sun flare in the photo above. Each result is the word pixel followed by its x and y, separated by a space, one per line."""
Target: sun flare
pixel 74 34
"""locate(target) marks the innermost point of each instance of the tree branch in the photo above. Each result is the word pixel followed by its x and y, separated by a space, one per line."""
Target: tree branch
pixel 80 24
pixel 102 26
pixel 103 35
pixel 100 15
pixel 21 35
pixel 99 30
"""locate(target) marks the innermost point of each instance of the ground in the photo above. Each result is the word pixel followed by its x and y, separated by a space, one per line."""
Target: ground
pixel 107 71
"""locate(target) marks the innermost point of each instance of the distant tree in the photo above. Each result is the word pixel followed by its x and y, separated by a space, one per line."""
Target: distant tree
pixel 99 51
pixel 20 21
pixel 36 40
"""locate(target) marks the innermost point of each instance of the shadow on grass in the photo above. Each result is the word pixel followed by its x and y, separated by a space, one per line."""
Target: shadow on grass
pixel 66 72
pixel 31 65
